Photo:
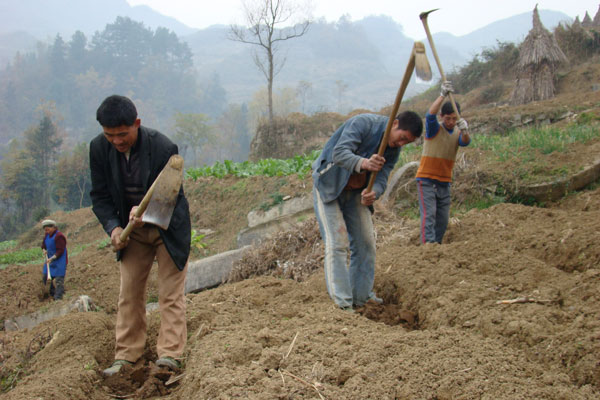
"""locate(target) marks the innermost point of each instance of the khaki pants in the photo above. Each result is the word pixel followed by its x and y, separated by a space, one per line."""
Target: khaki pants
pixel 144 245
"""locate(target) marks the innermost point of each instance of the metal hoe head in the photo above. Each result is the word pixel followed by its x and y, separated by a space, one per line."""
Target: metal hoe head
pixel 424 14
pixel 161 205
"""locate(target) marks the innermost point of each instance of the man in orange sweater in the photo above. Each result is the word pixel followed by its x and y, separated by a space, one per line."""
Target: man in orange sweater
pixel 435 170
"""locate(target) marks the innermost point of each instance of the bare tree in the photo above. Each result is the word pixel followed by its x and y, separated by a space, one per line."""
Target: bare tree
pixel 270 22
pixel 341 88
pixel 302 90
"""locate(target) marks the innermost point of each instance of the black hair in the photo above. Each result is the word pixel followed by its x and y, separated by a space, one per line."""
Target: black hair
pixel 410 121
pixel 116 111
pixel 447 108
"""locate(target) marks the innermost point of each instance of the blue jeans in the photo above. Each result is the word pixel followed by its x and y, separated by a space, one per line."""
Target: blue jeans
pixel 347 224
pixel 434 205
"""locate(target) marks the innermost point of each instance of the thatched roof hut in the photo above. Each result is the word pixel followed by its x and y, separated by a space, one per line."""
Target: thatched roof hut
pixel 587 21
pixel 539 58
pixel 596 21
pixel 577 28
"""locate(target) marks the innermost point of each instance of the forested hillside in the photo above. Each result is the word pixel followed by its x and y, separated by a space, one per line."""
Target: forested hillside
pixel 48 101
pixel 75 74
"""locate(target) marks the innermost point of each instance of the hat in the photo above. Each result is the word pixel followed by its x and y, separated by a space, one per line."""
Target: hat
pixel 48 222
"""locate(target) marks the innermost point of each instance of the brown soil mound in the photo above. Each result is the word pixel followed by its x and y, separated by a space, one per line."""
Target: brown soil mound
pixel 508 308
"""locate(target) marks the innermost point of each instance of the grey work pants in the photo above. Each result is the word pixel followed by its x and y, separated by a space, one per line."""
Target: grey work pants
pixel 434 205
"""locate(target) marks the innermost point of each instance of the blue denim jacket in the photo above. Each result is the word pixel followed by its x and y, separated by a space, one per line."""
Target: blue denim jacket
pixel 357 138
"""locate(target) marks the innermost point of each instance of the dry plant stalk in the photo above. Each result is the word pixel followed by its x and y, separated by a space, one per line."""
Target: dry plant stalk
pixel 526 299
pixel 198 332
pixel 304 382
pixel 291 346
pixel 174 379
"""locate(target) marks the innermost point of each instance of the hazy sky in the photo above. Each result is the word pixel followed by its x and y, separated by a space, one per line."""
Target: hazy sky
pixel 458 17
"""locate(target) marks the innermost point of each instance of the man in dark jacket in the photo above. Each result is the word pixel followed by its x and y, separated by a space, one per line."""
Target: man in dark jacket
pixel 54 246
pixel 342 203
pixel 124 161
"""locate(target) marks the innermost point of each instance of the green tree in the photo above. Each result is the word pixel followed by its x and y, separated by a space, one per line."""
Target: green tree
pixel 233 133
pixel 22 185
pixel 192 132
pixel 122 48
pixel 214 97
pixel 167 45
pixel 57 80
pixel 90 86
pixel 71 178
pixel 57 55
pixel 77 53
pixel 42 144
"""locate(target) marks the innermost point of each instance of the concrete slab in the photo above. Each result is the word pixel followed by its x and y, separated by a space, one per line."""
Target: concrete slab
pixel 551 191
pixel 403 174
pixel 290 207
pixel 253 235
pixel 211 271
pixel 82 304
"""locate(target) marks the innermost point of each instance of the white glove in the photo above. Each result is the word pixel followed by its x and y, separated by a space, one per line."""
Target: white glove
pixel 462 124
pixel 446 88
pixel 52 258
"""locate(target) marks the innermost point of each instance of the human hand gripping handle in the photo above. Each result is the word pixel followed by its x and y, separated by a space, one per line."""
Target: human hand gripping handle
pixel 423 17
pixel 119 237
pixel 115 239
pixel 373 164
pixel 135 221
pixel 446 88
pixel 462 125
pixel 367 198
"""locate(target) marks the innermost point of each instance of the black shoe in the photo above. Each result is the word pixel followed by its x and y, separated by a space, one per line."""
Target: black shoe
pixel 115 367
pixel 168 362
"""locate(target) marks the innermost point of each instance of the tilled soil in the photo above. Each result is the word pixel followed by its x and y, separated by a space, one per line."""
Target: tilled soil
pixel 507 308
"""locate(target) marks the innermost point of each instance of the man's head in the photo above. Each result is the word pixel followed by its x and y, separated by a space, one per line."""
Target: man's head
pixel 406 128
pixel 449 117
pixel 49 226
pixel 118 117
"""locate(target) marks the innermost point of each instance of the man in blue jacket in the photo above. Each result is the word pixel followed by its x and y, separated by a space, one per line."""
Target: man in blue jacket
pixel 343 205
pixel 54 247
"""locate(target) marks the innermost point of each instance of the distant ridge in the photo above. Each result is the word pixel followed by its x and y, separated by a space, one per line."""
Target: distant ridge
pixel 347 63
pixel 46 18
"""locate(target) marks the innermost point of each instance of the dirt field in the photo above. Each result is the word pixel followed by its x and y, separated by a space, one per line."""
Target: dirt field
pixel 507 308
pixel 446 336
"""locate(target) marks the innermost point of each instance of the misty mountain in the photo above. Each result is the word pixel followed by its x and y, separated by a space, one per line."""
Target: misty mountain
pixel 46 18
pixel 368 57
pixel 13 42
pixel 344 68
pixel 346 64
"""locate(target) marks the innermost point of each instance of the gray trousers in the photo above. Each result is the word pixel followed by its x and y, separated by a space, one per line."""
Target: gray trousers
pixel 434 205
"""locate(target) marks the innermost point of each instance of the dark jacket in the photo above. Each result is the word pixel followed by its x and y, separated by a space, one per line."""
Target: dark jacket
pixel 359 137
pixel 108 199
